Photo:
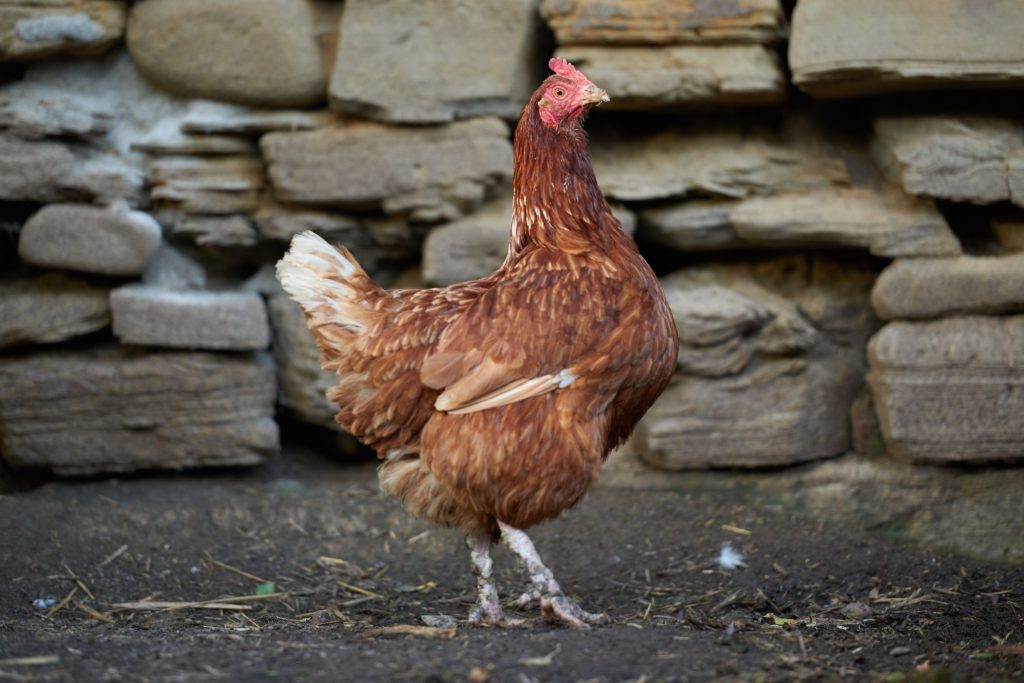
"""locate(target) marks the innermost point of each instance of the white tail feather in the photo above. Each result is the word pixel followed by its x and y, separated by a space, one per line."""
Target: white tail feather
pixel 310 273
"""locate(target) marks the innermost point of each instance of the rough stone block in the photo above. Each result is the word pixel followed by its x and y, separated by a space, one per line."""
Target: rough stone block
pixel 430 173
pixel 152 316
pixel 655 22
pixel 430 61
pixel 962 158
pixel 259 52
pixel 950 390
pixel 645 164
pixel 33 30
pixel 848 49
pixel 933 288
pixel 661 77
pixel 92 239
pixel 51 308
pixel 117 410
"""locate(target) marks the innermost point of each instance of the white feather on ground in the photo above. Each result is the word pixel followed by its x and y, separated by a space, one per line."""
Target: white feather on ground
pixel 729 558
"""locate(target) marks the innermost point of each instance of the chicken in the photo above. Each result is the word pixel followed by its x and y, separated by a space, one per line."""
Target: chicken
pixel 493 403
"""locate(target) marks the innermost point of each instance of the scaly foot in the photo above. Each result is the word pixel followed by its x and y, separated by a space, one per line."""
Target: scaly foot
pixel 487 611
pixel 554 605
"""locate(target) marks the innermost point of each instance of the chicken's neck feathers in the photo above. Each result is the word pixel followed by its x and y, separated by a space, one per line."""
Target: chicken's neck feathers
pixel 556 199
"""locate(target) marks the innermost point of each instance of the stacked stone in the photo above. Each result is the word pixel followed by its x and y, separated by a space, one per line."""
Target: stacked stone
pixel 157 156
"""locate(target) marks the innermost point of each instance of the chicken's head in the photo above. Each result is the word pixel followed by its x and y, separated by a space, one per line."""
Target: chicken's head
pixel 567 94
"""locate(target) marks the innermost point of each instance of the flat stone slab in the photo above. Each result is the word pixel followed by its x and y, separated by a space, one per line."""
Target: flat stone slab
pixel 638 165
pixel 886 223
pixel 55 171
pixel 431 61
pixel 259 52
pixel 654 22
pixel 963 158
pixel 153 316
pixel 429 173
pixel 932 288
pixel 117 410
pixel 51 308
pixel 950 390
pixel 34 30
pixel 92 239
pixel 663 77
pixel 843 49
pixel 208 185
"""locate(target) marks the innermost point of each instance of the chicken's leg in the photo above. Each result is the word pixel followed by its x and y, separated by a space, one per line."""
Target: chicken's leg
pixel 554 605
pixel 488 611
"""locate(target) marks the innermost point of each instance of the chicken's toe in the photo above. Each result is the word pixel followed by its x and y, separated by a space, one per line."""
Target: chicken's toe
pixel 560 609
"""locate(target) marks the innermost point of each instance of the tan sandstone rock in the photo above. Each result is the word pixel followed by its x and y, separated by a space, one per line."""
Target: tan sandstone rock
pixel 192 319
pixel 933 288
pixel 92 239
pixel 430 61
pixel 950 390
pixel 33 29
pixel 51 308
pixel 118 410
pixel 657 77
pixel 963 158
pixel 430 173
pixel 259 52
pixel 655 22
pixel 846 49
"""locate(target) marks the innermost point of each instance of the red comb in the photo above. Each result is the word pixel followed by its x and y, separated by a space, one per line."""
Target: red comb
pixel 564 68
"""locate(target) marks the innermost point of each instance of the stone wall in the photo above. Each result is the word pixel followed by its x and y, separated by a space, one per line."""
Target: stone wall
pixel 833 203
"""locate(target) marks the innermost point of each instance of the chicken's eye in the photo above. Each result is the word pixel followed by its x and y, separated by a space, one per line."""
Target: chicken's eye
pixel 559 93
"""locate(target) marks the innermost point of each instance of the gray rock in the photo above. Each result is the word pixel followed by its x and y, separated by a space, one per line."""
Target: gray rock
pixel 933 288
pixel 430 61
pixel 119 410
pixel 33 30
pixel 709 160
pixel 171 268
pixel 653 77
pixel 169 141
pixel 153 316
pixel 647 22
pixel 92 239
pixel 51 308
pixel 51 171
pixel 31 113
pixel 428 173
pixel 887 223
pixel 208 185
pixel 216 118
pixel 476 246
pixel 217 231
pixel 304 384
pixel 696 225
pixel 259 52
pixel 950 390
pixel 965 158
pixel 842 49
pixel 770 360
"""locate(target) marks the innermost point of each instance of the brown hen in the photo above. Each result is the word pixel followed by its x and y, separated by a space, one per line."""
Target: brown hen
pixel 493 403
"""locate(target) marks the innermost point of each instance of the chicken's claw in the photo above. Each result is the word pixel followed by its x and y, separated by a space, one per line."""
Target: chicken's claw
pixel 560 609
pixel 489 618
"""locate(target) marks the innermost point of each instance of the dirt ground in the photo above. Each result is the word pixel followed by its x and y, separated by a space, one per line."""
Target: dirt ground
pixel 317 576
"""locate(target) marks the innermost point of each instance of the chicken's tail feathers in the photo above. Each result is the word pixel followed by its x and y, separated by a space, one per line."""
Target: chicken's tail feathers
pixel 326 281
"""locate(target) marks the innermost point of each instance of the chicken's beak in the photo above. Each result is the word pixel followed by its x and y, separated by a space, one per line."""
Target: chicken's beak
pixel 594 95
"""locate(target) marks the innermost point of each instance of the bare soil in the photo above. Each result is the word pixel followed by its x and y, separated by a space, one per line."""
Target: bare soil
pixel 353 578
